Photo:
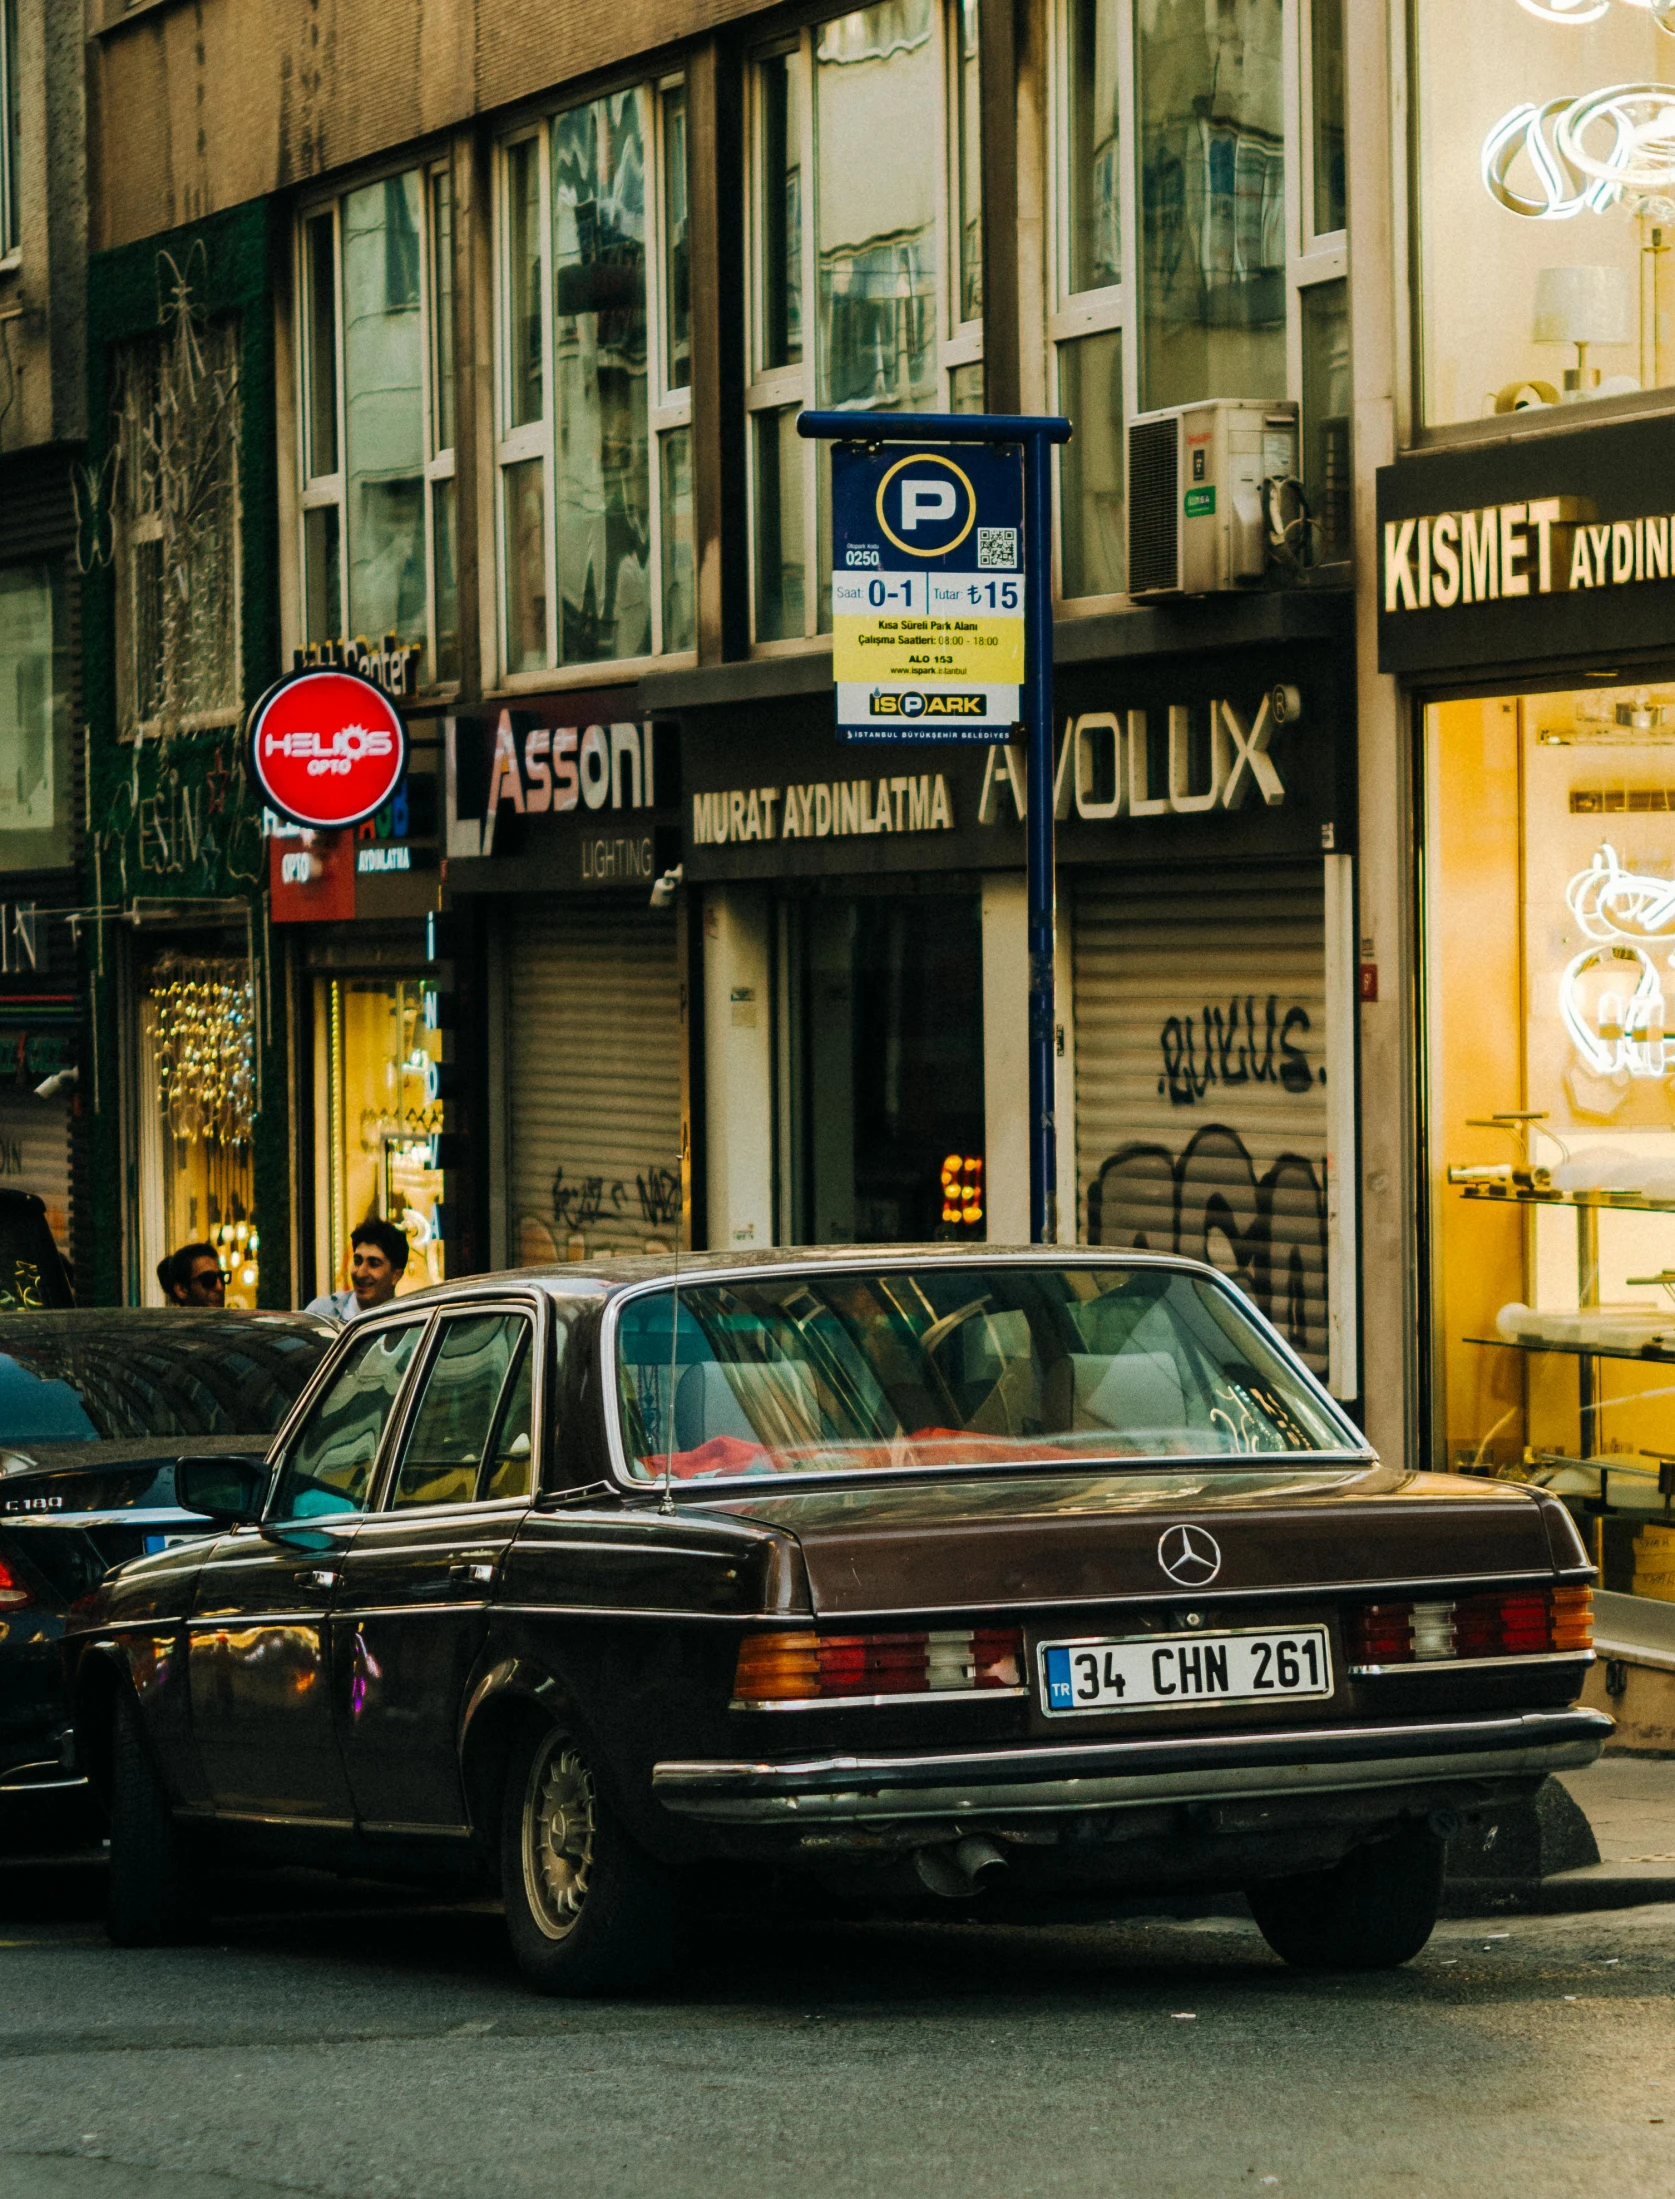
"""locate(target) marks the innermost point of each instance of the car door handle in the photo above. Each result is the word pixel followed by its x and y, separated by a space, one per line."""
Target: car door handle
pixel 321 1577
pixel 479 1571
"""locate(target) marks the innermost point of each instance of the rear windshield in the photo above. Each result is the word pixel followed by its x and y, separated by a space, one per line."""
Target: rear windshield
pixel 955 1366
pixel 79 1378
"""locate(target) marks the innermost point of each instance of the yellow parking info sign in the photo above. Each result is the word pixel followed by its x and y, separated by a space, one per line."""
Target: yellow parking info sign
pixel 927 592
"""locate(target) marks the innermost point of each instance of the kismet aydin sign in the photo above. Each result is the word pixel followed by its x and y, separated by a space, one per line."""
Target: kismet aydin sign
pixel 927 591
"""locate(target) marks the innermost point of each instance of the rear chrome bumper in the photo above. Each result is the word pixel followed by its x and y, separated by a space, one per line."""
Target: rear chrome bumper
pixel 1128 1774
pixel 44 1778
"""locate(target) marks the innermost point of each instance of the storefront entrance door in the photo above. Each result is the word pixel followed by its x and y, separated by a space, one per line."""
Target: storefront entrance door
pixel 881 1068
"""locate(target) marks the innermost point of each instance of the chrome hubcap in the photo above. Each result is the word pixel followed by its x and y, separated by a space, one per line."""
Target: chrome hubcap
pixel 558 1828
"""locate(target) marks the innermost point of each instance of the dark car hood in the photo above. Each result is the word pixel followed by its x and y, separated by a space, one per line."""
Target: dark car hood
pixel 1045 1539
pixel 130 1478
pixel 72 1511
pixel 97 1457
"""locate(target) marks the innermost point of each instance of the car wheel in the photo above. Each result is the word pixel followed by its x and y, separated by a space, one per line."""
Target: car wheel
pixel 586 1910
pixel 147 1897
pixel 1372 1911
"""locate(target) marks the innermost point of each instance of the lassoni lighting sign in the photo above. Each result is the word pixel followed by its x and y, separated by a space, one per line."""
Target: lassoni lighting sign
pixel 1547 545
pixel 327 748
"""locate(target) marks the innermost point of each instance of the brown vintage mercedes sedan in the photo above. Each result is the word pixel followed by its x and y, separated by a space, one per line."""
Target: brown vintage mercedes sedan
pixel 1031 1585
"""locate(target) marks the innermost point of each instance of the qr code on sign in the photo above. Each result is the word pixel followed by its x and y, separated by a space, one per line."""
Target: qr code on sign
pixel 997 549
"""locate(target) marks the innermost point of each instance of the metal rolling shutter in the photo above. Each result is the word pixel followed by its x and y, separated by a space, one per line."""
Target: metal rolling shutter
pixel 593 1076
pixel 1201 1122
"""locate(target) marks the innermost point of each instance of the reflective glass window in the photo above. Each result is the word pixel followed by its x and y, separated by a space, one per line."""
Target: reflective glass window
pixel 968 161
pixel 9 106
pixel 442 308
pixel 677 244
pixel 875 90
pixel 377 409
pixel 1095 149
pixel 603 495
pixel 319 254
pixel 524 316
pixel 34 719
pixel 1212 199
pixel 384 414
pixel 956 1366
pixel 1091 517
pixel 780 211
pixel 1326 417
pixel 328 1468
pixel 510 1466
pixel 1326 87
pixel 448 1441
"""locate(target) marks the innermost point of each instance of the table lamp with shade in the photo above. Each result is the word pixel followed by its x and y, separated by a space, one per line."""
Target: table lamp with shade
pixel 1583 306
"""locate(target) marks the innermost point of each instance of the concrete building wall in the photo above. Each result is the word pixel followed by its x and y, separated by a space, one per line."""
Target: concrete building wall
pixel 43 301
pixel 1390 1279
pixel 196 108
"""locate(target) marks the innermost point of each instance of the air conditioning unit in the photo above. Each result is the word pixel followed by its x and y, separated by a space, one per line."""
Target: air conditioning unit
pixel 1197 522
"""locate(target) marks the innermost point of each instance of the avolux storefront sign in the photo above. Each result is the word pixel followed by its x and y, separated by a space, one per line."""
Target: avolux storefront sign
pixel 1547 548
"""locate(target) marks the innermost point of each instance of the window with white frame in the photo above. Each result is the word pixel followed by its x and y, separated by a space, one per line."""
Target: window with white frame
pixel 866 258
pixel 9 106
pixel 595 384
pixel 1192 257
pixel 1095 250
pixel 1321 275
pixel 379 521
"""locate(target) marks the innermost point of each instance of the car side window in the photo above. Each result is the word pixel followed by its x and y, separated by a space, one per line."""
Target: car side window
pixel 329 1466
pixel 476 1364
pixel 508 1469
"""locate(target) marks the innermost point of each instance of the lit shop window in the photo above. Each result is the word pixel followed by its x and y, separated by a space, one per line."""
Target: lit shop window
pixel 379 1111
pixel 376 419
pixel 595 377
pixel 1550 924
pixel 198 1062
pixel 1177 272
pixel 1546 203
pixel 866 258
pixel 962 1190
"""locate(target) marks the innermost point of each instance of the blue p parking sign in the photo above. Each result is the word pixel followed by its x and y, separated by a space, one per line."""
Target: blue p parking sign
pixel 928 591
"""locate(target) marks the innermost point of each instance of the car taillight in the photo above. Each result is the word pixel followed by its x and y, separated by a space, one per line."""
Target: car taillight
pixel 811 1668
pixel 1513 1622
pixel 14 1593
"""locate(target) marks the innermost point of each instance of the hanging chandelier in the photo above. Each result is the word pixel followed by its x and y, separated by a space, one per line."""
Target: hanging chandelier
pixel 204 1032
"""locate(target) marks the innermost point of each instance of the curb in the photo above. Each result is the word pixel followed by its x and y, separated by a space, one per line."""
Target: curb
pixel 1563 1893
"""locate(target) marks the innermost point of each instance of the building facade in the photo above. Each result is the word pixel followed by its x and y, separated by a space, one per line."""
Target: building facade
pixel 1522 612
pixel 489 383
pixel 43 230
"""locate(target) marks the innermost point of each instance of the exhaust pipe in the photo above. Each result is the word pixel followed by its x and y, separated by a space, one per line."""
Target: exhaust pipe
pixel 954 1870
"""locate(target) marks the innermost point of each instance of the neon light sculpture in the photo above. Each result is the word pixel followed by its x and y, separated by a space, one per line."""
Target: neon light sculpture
pixel 1623 912
pixel 1576 13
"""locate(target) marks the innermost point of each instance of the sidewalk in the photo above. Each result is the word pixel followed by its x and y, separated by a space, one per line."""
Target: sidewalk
pixel 1629 1802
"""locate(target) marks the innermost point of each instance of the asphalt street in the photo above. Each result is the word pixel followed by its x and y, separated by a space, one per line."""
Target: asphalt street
pixel 333 2040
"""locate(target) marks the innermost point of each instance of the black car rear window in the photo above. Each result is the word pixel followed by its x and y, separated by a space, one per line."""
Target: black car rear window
pixel 83 1377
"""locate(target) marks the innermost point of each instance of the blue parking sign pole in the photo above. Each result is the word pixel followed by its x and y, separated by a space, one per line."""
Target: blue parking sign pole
pixel 1033 435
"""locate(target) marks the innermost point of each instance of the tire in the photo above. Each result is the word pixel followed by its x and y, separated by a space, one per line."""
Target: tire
pixel 1373 1911
pixel 587 1912
pixel 148 1900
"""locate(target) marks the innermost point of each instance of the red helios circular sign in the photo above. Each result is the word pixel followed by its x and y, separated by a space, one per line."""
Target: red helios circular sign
pixel 327 748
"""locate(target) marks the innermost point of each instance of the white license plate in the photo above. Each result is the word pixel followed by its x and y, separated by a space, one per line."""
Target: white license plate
pixel 1162 1671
